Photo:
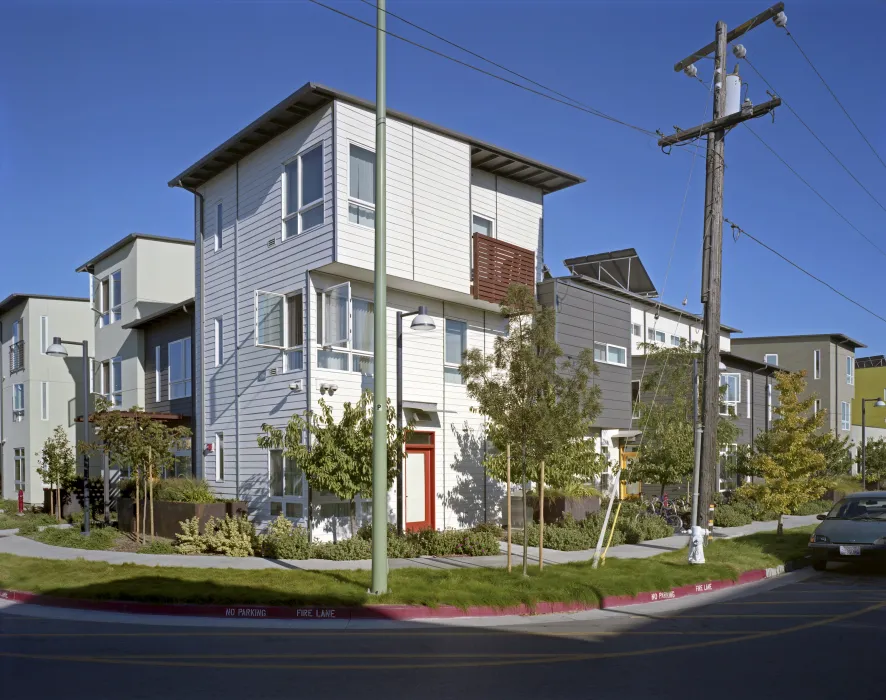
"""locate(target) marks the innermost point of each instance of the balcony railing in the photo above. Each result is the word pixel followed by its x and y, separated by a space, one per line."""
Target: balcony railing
pixel 498 265
pixel 17 357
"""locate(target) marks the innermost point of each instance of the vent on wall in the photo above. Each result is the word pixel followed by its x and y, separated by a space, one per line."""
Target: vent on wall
pixel 272 242
pixel 273 371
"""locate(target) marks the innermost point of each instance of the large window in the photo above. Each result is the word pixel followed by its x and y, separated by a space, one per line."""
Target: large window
pixel 287 487
pixel 610 354
pixel 44 400
pixel 346 330
pixel 269 319
pixel 675 341
pixel 180 369
pixel 635 398
pixel 18 402
pixel 654 336
pixel 845 415
pixel 107 297
pixel 816 364
pixel 219 342
pixel 850 370
pixel 303 192
pixel 44 334
pixel 730 399
pixel 112 381
pixel 293 355
pixel 727 468
pixel 361 187
pixel 20 468
pixel 456 345
pixel 219 456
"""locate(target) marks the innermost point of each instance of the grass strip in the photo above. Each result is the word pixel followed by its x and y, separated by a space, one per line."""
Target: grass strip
pixel 459 587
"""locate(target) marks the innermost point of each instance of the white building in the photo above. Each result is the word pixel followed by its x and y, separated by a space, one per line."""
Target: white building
pixel 285 219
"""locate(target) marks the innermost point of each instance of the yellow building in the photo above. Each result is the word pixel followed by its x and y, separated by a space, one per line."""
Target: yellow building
pixel 870 383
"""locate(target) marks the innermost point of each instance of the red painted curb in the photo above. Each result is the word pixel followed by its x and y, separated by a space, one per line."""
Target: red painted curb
pixel 368 612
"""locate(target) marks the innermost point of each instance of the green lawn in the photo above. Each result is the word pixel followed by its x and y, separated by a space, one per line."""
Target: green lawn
pixel 461 587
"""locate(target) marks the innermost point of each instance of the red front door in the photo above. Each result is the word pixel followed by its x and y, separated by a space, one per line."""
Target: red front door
pixel 418 482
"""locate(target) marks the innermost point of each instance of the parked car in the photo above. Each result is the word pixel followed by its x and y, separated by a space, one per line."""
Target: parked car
pixel 855 528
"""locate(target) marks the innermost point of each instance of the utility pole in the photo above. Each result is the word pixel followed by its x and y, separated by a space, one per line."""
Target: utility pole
pixel 380 349
pixel 712 261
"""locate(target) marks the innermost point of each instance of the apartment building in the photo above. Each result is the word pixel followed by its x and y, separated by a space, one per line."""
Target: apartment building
pixel 829 362
pixel 284 213
pixel 37 392
pixel 870 384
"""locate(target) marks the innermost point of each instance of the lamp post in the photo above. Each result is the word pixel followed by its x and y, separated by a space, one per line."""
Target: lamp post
pixel 57 349
pixel 879 403
pixel 421 322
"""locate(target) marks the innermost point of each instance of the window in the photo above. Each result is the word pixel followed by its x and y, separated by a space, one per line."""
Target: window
pixel 770 359
pixel 850 370
pixel 654 336
pixel 44 334
pixel 219 224
pixel 749 395
pixel 17 354
pixel 18 403
pixel 287 490
pixel 269 319
pixel 636 331
pixel 845 415
pixel 727 472
pixel 635 398
pixel 157 382
pixel 610 354
pixel 303 206
pixel 112 381
pixel 180 369
pixel 816 407
pixel 109 292
pixel 20 468
pixel 219 343
pixel 44 400
pixel 219 456
pixel 293 355
pixel 456 345
pixel 675 341
pixel 816 364
pixel 768 404
pixel 484 225
pixel 344 325
pixel 732 396
pixel 361 187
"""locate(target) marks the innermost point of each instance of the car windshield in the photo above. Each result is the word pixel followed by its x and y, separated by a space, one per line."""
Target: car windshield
pixel 859 509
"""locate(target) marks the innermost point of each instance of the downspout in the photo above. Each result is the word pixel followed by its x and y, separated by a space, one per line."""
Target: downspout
pixel 2 402
pixel 237 330
pixel 197 367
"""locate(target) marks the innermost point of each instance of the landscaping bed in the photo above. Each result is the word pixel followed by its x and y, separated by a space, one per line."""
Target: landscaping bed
pixel 726 559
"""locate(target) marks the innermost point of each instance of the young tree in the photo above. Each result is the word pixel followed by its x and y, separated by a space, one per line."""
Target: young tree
pixel 787 456
pixel 835 450
pixel 535 398
pixel 340 457
pixel 57 466
pixel 667 451
pixel 875 461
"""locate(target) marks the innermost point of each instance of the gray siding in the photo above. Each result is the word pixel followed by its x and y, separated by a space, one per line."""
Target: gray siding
pixel 584 317
pixel 170 328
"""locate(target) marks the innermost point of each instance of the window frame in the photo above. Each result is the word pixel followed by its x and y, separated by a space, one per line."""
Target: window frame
pixel 845 416
pixel 220 457
pixel 18 402
pixel 110 309
pixel 187 370
pixel 285 499
pixel 606 348
pixel 44 401
pixel 447 365
pixel 255 320
pixel 816 364
pixel 850 370
pixel 356 201
pixel 770 354
pixel 44 334
pixel 652 336
pixel 19 469
pixel 219 350
pixel 725 402
pixel 301 207
pixel 115 397
pixel 673 338
pixel 816 407
pixel 158 394
pixel 636 330
pixel 219 224
pixel 343 347
pixel 635 401
pixel 493 232
pixel 289 350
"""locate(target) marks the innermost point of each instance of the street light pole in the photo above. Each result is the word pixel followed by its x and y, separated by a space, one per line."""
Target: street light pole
pixel 879 403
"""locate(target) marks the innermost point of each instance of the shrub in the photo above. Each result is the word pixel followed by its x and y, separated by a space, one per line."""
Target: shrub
pixel 189 540
pixel 730 516
pixel 285 541
pixel 401 548
pixel 813 508
pixel 28 528
pixel 184 490
pixel 493 528
pixel 644 528
pixel 476 544
pixel 158 547
pixel 99 538
pixel 232 537
pixel 354 548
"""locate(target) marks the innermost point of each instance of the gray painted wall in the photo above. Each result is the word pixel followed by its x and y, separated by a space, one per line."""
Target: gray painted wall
pixel 172 327
pixel 585 316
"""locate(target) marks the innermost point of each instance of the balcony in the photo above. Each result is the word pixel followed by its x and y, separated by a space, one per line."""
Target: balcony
pixel 17 357
pixel 498 265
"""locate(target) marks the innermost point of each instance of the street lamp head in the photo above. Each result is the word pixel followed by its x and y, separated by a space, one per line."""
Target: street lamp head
pixel 422 321
pixel 880 403
pixel 56 349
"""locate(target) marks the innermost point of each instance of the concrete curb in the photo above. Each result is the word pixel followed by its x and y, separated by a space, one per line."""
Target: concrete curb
pixel 385 612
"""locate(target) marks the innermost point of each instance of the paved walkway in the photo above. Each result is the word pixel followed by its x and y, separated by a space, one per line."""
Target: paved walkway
pixel 25 547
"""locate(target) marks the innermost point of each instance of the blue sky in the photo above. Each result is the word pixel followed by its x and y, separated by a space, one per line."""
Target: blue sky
pixel 102 102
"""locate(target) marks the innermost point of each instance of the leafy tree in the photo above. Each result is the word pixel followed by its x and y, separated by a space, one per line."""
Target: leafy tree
pixel 787 456
pixel 835 450
pixel 535 398
pixel 340 457
pixel 667 451
pixel 57 465
pixel 875 461
pixel 137 440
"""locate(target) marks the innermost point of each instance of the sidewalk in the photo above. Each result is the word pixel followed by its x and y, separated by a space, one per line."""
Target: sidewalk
pixel 25 547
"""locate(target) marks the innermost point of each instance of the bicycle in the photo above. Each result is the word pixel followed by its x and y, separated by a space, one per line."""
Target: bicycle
pixel 667 511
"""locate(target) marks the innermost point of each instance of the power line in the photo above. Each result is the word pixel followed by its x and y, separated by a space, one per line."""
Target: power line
pixel 815 191
pixel 736 227
pixel 836 99
pixel 816 136
pixel 581 108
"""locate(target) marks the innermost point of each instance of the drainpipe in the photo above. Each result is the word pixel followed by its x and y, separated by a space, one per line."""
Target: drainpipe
pixel 198 309
pixel 2 401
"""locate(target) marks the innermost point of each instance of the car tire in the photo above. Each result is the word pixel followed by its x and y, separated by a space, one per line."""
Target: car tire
pixel 820 564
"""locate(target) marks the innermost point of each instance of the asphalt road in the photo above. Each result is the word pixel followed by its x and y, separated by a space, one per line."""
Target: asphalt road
pixel 811 635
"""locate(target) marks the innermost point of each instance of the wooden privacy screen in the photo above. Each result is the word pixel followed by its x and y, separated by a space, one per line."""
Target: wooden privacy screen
pixel 497 265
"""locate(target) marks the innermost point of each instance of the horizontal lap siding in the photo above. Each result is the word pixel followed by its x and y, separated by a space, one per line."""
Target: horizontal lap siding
pixel 159 334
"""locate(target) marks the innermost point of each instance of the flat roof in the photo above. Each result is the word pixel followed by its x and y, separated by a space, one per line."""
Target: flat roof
pixel 126 240
pixel 160 313
pixel 312 96
pixel 839 338
pixel 622 267
pixel 17 298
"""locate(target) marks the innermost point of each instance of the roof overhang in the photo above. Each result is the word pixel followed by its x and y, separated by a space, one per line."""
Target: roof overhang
pixel 15 299
pixel 126 240
pixel 312 96
pixel 157 315
pixel 620 268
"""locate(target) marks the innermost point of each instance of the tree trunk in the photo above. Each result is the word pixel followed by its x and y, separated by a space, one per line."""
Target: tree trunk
pixel 352 514
pixel 145 517
pixel 661 494
pixel 137 497
pixel 525 521
pixel 779 533
pixel 151 488
pixel 51 500
pixel 58 499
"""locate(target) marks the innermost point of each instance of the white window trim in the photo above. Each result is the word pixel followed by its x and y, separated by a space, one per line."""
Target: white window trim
pixel 850 370
pixel 44 334
pixel 295 348
pixel 20 454
pixel 302 208
pixel 635 405
pixel 219 224
pixel 654 333
pixel 18 407
pixel 186 364
pixel 157 375
pixel 452 365
pixel 284 499
pixel 356 200
pixel 115 306
pixel 769 403
pixel 348 347
pixel 731 404
pixel 493 230
pixel 219 457
pixel 106 390
pixel 816 364
pixel 44 401
pixel 816 407
pixel 845 416
pixel 607 361
pixel 770 354
pixel 255 320
pixel 672 343
pixel 219 350
pixel 750 396
pixel 638 328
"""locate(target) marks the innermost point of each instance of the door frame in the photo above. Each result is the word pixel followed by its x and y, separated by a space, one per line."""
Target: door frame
pixel 428 449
